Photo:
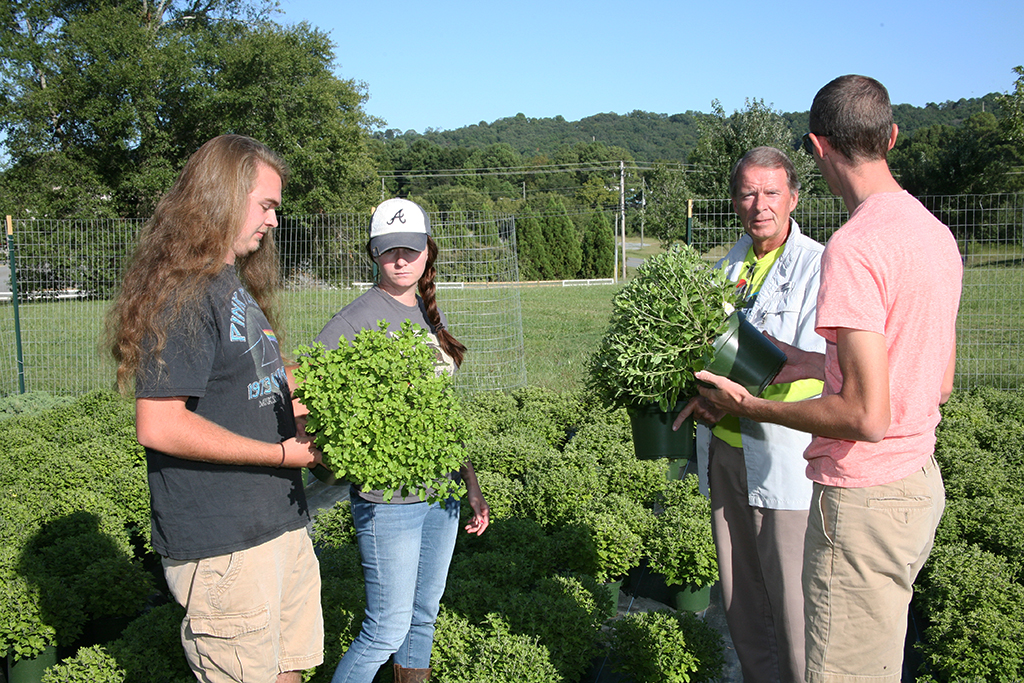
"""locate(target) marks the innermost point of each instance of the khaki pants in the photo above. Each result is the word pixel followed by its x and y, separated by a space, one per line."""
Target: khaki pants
pixel 863 551
pixel 252 614
pixel 760 559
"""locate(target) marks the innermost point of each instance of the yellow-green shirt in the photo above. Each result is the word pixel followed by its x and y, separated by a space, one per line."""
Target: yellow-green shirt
pixel 752 277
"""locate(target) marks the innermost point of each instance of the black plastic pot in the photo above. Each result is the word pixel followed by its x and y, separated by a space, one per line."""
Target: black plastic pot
pixel 746 356
pixel 653 437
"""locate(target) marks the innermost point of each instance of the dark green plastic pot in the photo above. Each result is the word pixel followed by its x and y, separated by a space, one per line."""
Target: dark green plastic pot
pixel 746 356
pixel 690 598
pixel 653 437
pixel 31 670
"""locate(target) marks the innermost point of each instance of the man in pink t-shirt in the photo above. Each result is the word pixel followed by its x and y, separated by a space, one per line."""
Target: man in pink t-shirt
pixel 890 290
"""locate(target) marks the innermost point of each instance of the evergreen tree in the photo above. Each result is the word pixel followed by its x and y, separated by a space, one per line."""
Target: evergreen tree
pixel 598 247
pixel 563 243
pixel 533 251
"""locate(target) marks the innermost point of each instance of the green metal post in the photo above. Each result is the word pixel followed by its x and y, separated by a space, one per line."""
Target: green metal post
pixel 14 300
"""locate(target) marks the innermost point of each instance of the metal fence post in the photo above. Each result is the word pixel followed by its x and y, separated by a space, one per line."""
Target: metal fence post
pixel 14 302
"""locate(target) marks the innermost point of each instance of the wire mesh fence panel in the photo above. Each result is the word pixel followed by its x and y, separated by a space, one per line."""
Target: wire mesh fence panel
pixel 326 267
pixel 67 272
pixel 990 232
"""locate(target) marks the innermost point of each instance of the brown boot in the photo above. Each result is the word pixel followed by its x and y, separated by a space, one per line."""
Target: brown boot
pixel 403 675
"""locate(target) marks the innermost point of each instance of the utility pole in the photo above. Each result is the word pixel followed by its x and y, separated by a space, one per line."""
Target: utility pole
pixel 622 212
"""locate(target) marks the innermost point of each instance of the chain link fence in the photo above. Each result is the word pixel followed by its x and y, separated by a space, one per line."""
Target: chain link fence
pixel 68 270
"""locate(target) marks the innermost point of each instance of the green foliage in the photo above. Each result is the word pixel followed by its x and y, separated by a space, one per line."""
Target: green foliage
pixel 89 665
pixel 72 494
pixel 971 158
pixel 598 247
pixel 334 528
pixel 666 204
pixel 30 403
pixel 973 601
pixel 534 255
pixel 665 647
pixel 681 546
pixel 1012 105
pixel 489 653
pixel 103 102
pixel 663 328
pixel 343 598
pixel 971 588
pixel 564 613
pixel 564 254
pixel 723 140
pixel 149 649
pixel 383 414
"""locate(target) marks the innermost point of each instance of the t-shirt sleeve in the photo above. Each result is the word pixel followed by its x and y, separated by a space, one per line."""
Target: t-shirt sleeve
pixel 336 329
pixel 185 363
pixel 852 293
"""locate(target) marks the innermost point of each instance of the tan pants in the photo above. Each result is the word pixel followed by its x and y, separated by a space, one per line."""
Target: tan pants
pixel 252 614
pixel 760 559
pixel 863 551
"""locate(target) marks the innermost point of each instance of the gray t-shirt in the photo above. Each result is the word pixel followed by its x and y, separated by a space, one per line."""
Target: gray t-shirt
pixel 231 370
pixel 365 313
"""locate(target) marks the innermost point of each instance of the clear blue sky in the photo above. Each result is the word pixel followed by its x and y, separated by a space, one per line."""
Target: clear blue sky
pixel 449 64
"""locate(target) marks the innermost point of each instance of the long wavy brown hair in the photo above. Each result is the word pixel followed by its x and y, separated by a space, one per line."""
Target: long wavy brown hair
pixel 183 246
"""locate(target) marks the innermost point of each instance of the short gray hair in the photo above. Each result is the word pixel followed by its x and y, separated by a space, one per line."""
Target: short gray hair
pixel 764 157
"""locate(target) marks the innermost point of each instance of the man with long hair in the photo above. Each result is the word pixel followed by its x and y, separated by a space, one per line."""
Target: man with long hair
pixel 887 306
pixel 193 331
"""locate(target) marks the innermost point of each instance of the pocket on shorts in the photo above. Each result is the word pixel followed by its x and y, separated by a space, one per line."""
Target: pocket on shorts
pixel 230 625
pixel 231 647
pixel 906 509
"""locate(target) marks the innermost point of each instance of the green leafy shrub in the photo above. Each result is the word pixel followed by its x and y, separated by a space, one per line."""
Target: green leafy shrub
pixel 72 494
pixel 149 649
pixel 681 546
pixel 663 326
pixel 666 647
pixel 565 614
pixel 971 588
pixel 89 665
pixel 30 403
pixel 973 600
pixel 505 496
pixel 334 527
pixel 489 653
pixel 343 598
pixel 383 414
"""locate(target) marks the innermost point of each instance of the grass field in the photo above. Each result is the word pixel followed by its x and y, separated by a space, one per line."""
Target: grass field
pixel 562 326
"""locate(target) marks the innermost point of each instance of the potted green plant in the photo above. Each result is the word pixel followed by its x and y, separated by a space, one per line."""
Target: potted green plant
pixel 663 328
pixel 680 546
pixel 382 414
pixel 676 317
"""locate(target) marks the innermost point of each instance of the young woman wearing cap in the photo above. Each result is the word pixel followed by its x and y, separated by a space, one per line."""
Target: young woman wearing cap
pixel 406 544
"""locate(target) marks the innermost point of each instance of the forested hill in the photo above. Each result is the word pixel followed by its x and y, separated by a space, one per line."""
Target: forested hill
pixel 653 137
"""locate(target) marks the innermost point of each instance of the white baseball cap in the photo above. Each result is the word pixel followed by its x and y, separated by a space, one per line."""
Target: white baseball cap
pixel 398 223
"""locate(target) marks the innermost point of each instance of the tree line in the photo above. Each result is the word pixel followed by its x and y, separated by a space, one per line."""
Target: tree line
pixel 102 102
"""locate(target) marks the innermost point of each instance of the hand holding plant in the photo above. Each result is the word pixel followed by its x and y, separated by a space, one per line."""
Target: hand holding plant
pixel 663 329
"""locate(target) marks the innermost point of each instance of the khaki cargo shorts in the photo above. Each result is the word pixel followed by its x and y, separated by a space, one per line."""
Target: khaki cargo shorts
pixel 862 552
pixel 251 614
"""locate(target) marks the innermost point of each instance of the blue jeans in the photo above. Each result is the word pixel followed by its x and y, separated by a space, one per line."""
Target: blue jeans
pixel 406 550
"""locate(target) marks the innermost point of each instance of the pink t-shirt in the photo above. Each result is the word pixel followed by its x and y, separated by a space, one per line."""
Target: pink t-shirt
pixel 895 269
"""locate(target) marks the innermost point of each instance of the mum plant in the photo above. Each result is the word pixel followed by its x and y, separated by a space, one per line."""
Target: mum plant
pixel 383 412
pixel 663 329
